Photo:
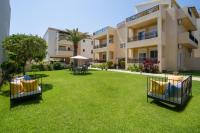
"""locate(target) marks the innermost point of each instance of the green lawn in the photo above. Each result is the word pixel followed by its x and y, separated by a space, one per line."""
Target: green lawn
pixel 101 102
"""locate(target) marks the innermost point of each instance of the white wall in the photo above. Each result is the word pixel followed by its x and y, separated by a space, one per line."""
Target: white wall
pixel 51 39
pixel 88 47
pixel 4 24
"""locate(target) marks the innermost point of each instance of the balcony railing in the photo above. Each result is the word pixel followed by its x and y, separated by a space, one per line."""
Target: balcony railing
pixel 101 30
pixel 100 46
pixel 99 61
pixel 142 60
pixel 143 13
pixel 193 39
pixel 147 35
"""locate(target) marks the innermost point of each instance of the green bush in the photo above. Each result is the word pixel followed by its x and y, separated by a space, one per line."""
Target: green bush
pixel 8 68
pixel 135 68
pixel 122 64
pixel 103 66
pixel 109 64
pixel 57 66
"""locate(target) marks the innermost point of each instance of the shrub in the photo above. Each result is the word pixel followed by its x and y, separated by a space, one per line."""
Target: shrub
pixel 57 66
pixel 109 64
pixel 103 66
pixel 37 67
pixel 9 68
pixel 122 64
pixel 151 66
pixel 134 68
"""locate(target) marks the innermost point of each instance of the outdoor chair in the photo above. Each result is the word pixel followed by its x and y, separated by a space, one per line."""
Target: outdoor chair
pixel 25 87
pixel 175 90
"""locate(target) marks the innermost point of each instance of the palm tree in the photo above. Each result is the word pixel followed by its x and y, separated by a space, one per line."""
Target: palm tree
pixel 75 37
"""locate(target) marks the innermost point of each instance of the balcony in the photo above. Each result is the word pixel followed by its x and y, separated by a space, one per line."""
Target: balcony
pixel 99 61
pixel 142 14
pixel 188 40
pixel 100 46
pixel 193 39
pixel 101 31
pixel 147 35
pixel 141 61
pixel 189 20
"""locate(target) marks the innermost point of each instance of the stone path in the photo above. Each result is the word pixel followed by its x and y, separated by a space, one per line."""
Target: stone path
pixel 145 74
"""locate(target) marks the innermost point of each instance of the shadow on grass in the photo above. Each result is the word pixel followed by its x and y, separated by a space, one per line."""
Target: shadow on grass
pixel 5 93
pixel 26 101
pixel 172 107
pixel 81 74
pixel 37 76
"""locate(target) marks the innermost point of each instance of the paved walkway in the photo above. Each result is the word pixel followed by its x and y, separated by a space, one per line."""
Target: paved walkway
pixel 145 74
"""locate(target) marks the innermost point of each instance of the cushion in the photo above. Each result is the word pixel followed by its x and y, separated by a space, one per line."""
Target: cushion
pixel 26 77
pixel 174 90
pixel 30 85
pixel 158 87
pixel 16 88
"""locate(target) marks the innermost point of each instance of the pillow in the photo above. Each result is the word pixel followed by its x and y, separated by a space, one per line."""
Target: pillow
pixel 174 90
pixel 26 77
pixel 30 85
pixel 158 87
pixel 175 78
pixel 16 88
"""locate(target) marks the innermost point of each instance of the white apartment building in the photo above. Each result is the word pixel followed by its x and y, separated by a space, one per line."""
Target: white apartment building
pixel 60 49
pixel 86 48
pixel 5 12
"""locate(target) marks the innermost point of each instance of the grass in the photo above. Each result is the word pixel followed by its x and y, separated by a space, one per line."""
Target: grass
pixel 101 102
pixel 194 73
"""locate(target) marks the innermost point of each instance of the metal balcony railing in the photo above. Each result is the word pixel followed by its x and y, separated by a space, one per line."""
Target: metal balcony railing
pixel 147 35
pixel 143 13
pixel 100 46
pixel 193 39
pixel 99 61
pixel 142 60
pixel 101 30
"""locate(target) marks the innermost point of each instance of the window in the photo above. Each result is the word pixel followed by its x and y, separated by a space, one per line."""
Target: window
pixel 69 49
pixel 154 54
pixel 62 48
pixel 92 42
pixel 142 56
pixel 141 35
pixel 123 45
pixel 91 51
pixel 83 40
pixel 83 50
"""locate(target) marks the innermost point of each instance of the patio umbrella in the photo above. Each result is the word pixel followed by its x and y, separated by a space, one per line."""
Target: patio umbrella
pixel 79 57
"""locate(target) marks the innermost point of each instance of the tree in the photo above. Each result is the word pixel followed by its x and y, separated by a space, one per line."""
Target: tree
pixel 23 48
pixel 75 37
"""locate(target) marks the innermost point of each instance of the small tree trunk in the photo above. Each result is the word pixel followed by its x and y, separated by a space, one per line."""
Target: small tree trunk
pixel 23 68
pixel 75 54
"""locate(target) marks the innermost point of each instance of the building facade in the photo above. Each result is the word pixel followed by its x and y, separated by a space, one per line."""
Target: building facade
pixel 5 12
pixel 59 49
pixel 86 48
pixel 161 31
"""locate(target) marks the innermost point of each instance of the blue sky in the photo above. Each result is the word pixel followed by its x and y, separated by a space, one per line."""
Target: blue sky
pixel 35 16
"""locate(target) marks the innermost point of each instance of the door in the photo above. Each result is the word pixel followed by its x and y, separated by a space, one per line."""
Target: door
pixel 142 57
pixel 141 35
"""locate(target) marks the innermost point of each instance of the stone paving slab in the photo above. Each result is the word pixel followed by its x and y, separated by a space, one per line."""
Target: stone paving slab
pixel 145 74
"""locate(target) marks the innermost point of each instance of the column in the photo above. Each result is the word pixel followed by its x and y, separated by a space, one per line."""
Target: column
pixel 159 26
pixel 107 53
